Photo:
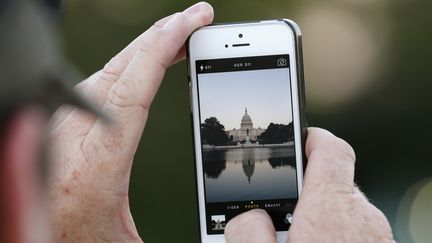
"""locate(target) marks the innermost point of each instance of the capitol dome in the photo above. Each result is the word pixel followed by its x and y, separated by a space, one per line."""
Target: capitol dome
pixel 246 121
pixel 246 132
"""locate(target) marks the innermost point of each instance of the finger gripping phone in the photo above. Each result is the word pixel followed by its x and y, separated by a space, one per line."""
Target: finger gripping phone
pixel 247 104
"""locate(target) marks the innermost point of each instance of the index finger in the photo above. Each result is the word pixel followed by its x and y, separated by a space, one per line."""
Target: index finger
pixel 129 97
pixel 161 45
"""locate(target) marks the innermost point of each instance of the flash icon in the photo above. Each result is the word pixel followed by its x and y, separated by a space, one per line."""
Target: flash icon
pixel 202 67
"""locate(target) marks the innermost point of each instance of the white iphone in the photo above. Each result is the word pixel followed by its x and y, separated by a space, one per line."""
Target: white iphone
pixel 247 103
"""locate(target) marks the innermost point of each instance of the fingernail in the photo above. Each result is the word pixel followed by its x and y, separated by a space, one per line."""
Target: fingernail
pixel 194 8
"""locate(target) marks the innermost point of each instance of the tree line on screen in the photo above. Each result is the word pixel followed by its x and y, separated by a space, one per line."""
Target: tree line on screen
pixel 213 133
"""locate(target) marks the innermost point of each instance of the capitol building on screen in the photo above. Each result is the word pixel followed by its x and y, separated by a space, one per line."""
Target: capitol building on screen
pixel 246 132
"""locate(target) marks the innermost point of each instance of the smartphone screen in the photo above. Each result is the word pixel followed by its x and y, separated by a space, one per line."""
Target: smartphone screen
pixel 247 138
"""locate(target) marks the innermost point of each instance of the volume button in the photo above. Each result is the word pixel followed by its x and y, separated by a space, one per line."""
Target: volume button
pixel 190 94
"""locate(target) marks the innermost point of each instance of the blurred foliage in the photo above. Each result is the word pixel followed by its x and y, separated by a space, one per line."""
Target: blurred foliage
pixel 386 118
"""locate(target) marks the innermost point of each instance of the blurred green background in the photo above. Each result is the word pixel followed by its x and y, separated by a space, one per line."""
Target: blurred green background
pixel 368 69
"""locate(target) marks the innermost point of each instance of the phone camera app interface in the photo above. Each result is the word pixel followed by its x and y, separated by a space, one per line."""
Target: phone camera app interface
pixel 247 138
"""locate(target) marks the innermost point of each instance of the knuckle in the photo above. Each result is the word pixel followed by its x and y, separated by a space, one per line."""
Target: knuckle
pixel 316 138
pixel 327 165
pixel 345 149
pixel 147 50
pixel 114 68
pixel 158 24
pixel 182 26
pixel 161 22
pixel 329 145
pixel 118 96
pixel 157 56
pixel 123 95
pixel 167 36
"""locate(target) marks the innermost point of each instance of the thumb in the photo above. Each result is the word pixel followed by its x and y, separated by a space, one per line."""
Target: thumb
pixel 254 226
pixel 330 162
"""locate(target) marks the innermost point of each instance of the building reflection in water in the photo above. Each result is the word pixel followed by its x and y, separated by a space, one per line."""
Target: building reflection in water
pixel 248 168
pixel 248 163
pixel 244 174
pixel 214 161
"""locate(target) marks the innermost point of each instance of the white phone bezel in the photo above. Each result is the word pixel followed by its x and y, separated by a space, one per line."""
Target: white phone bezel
pixel 272 37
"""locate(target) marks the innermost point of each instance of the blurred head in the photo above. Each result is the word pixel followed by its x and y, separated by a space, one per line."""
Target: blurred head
pixel 32 86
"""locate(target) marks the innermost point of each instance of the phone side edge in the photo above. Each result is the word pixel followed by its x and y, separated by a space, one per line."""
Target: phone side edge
pixel 188 60
pixel 301 84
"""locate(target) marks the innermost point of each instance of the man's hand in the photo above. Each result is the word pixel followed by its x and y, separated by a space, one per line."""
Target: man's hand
pixel 91 159
pixel 330 209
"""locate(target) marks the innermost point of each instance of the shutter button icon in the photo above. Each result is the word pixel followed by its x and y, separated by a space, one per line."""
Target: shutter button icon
pixel 281 62
pixel 288 218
